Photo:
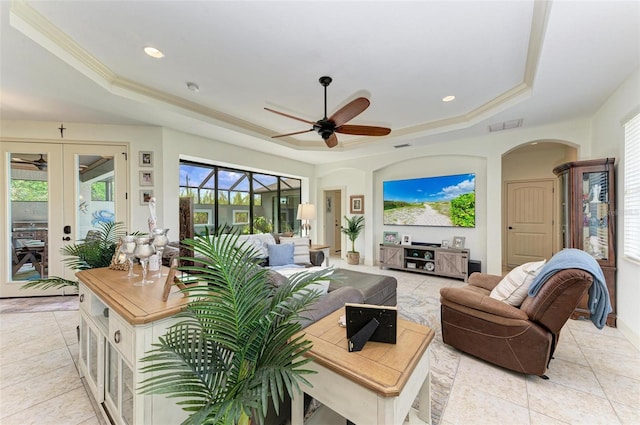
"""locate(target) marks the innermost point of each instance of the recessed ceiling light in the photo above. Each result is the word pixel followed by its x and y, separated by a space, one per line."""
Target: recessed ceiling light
pixel 448 98
pixel 153 52
pixel 193 87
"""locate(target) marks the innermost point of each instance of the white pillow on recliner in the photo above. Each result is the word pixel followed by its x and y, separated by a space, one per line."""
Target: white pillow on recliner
pixel 513 288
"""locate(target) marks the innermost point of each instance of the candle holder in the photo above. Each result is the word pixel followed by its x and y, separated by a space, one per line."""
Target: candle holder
pixel 144 250
pixel 160 240
pixel 128 247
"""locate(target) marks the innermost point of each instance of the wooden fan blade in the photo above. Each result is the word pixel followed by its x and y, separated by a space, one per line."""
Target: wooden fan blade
pixel 291 134
pixel 289 116
pixel 363 130
pixel 332 141
pixel 350 111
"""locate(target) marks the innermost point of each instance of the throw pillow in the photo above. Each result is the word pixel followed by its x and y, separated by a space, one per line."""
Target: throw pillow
pixel 513 288
pixel 280 255
pixel 301 251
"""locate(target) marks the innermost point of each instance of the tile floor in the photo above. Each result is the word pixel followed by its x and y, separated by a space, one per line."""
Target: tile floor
pixel 594 378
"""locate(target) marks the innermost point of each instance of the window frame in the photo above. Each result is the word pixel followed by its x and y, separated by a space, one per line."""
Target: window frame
pixel 631 212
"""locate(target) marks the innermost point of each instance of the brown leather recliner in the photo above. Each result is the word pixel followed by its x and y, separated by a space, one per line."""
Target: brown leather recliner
pixel 521 339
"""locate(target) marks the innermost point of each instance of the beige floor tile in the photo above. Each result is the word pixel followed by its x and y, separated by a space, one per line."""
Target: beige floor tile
pixel 70 408
pixel 620 389
pixel 574 376
pixel 603 360
pixel 472 406
pixel 628 415
pixel 33 367
pixel 586 325
pixel 568 349
pixel 493 380
pixel 31 392
pixel 540 419
pixel 567 404
pixel 610 343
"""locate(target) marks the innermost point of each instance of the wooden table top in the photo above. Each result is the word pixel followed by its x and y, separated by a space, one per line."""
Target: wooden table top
pixel 380 367
pixel 135 304
pixel 318 247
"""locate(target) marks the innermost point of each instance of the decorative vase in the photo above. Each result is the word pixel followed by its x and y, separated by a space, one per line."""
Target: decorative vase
pixel 353 258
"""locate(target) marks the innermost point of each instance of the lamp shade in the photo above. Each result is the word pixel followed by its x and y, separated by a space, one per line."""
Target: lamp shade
pixel 306 212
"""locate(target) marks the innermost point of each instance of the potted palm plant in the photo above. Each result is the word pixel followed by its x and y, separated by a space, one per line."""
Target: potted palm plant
pixel 233 351
pixel 354 226
pixel 91 253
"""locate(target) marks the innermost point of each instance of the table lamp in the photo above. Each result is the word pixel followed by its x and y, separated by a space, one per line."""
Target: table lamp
pixel 306 212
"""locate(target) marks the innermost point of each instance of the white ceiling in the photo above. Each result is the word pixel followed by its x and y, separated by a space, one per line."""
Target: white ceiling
pixel 543 62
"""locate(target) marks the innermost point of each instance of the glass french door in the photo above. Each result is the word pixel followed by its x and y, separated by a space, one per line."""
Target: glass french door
pixel 55 194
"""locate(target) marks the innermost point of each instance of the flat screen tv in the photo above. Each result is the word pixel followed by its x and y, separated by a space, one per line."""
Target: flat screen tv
pixel 431 201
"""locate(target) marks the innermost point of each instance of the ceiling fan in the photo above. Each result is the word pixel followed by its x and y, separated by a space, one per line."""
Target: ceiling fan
pixel 328 127
pixel 40 163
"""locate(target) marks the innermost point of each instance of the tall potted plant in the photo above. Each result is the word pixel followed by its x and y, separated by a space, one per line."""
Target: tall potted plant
pixel 232 352
pixel 354 226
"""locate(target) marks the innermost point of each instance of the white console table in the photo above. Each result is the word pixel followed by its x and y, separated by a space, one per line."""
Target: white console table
pixel 118 324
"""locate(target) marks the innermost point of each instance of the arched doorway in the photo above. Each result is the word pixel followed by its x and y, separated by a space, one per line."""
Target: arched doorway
pixel 530 208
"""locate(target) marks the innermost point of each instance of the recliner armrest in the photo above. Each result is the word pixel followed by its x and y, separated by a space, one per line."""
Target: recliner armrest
pixel 484 280
pixel 481 302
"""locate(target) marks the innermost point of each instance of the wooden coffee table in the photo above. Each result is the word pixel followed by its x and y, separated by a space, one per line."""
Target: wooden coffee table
pixel 374 386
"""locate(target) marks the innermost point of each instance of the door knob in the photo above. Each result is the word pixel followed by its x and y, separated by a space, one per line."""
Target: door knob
pixel 66 238
pixel 510 228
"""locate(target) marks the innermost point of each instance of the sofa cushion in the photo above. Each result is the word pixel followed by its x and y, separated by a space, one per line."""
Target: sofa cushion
pixel 513 288
pixel 301 250
pixel 376 289
pixel 280 255
pixel 257 243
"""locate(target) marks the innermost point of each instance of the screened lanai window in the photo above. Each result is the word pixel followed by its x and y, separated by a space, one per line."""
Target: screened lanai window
pixel 238 199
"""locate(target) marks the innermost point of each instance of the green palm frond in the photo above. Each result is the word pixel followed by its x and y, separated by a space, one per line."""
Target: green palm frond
pixel 89 254
pixel 232 351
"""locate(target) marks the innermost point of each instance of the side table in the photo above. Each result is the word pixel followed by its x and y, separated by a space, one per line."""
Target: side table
pixel 325 251
pixel 374 386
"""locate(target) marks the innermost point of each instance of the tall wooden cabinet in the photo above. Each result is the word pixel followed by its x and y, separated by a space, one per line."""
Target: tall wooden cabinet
pixel 588 212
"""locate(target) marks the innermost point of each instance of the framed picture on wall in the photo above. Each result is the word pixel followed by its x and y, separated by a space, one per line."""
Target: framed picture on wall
pixel 145 159
pixel 357 204
pixel 406 239
pixel 146 178
pixel 145 196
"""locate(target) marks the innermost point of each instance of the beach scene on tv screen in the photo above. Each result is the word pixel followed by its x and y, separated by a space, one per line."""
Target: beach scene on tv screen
pixel 431 201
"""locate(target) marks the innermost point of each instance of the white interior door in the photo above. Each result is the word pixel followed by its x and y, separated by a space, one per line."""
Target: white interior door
pixel 54 194
pixel 332 228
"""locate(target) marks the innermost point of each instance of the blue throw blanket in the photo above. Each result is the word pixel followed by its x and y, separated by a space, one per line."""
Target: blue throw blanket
pixel 599 302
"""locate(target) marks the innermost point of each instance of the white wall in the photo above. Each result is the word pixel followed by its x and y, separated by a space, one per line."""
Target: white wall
pixel 482 155
pixel 608 141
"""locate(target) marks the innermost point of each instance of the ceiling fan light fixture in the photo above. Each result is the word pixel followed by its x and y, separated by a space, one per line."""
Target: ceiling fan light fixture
pixel 153 52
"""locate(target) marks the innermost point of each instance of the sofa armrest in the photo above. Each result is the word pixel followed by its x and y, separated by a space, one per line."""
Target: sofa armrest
pixel 329 303
pixel 484 280
pixel 480 302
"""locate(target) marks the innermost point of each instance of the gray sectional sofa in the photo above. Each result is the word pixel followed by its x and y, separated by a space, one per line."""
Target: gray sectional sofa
pixel 346 286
